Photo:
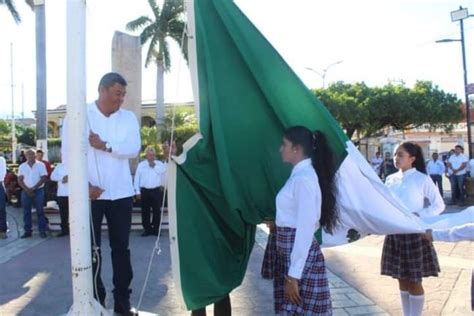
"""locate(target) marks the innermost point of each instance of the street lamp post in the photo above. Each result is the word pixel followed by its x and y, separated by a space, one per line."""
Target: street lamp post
pixel 13 106
pixel 460 15
pixel 324 71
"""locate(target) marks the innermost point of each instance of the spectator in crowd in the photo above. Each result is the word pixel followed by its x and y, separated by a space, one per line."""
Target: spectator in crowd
pixel 3 211
pixel 59 175
pixel 388 166
pixel 12 188
pixel 149 183
pixel 376 162
pixel 457 164
pixel 448 174
pixel 39 157
pixel 21 158
pixel 435 169
pixel 32 175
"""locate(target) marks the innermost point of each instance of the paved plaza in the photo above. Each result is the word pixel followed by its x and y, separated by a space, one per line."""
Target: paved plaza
pixel 35 277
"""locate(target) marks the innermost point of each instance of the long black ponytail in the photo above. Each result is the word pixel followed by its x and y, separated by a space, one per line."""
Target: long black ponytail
pixel 316 147
pixel 414 150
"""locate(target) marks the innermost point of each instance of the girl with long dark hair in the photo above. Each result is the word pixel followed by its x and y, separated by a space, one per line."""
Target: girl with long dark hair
pixel 409 257
pixel 305 203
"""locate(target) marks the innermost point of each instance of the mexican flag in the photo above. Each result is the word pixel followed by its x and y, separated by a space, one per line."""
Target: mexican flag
pixel 226 180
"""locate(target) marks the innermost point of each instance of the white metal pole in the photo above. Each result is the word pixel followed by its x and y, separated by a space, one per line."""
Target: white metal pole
pixel 13 106
pixel 83 297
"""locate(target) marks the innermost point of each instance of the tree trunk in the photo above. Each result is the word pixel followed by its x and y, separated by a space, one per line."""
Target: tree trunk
pixel 160 101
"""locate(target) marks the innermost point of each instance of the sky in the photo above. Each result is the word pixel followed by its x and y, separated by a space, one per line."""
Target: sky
pixel 374 41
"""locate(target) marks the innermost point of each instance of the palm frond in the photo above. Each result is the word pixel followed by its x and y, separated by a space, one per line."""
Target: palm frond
pixel 138 23
pixel 165 51
pixel 148 32
pixel 155 8
pixel 151 53
pixel 176 30
pixel 11 7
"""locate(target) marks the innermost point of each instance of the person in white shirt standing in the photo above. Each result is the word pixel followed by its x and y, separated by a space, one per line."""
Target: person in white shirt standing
pixel 436 169
pixel 114 138
pixel 3 211
pixel 376 162
pixel 304 204
pixel 457 163
pixel 59 175
pixel 408 257
pixel 149 182
pixel 32 175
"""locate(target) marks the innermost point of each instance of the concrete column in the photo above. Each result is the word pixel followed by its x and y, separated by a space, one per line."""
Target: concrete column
pixel 127 61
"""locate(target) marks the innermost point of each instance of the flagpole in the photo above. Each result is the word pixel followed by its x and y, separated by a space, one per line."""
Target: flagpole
pixel 79 217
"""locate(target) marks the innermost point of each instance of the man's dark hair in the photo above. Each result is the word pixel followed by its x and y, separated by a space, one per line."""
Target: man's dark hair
pixel 112 78
pixel 459 146
pixel 39 151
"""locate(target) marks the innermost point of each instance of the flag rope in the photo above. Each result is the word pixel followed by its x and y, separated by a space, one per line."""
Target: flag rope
pixel 157 249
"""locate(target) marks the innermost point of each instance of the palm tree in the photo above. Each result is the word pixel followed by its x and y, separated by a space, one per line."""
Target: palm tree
pixel 167 23
pixel 11 7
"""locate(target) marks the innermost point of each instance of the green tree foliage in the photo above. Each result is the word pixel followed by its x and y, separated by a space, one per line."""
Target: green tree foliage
pixel 363 111
pixel 167 23
pixel 27 136
pixel 24 135
pixel 185 126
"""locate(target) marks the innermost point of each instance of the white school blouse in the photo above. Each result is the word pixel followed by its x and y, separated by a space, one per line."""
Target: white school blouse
pixel 456 233
pixel 412 187
pixel 298 205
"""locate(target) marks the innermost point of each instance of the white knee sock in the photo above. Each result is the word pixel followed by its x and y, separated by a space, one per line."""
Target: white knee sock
pixel 405 296
pixel 416 304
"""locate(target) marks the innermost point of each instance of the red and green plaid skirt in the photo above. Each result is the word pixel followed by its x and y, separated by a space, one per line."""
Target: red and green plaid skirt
pixel 409 257
pixel 313 285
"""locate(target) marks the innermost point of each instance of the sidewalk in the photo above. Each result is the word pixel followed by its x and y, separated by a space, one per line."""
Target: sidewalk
pixel 35 278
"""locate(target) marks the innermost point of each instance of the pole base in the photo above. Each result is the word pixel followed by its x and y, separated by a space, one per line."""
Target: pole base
pixel 92 308
pixel 98 310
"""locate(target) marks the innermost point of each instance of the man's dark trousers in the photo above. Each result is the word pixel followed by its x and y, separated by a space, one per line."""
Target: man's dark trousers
pixel 119 218
pixel 152 199
pixel 3 212
pixel 438 180
pixel 63 203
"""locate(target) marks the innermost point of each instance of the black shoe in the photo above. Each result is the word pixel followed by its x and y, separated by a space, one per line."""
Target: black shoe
pixel 154 233
pixel 43 235
pixel 125 310
pixel 62 234
pixel 26 235
pixel 146 233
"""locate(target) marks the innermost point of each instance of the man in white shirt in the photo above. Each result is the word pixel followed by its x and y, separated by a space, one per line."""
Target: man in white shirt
pixel 3 212
pixel 114 138
pixel 32 175
pixel 149 183
pixel 376 162
pixel 436 169
pixel 457 164
pixel 59 175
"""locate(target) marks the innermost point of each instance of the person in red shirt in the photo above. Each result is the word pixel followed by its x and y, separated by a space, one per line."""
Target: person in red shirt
pixel 39 157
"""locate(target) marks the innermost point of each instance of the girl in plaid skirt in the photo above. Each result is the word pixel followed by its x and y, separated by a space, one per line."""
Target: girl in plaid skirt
pixel 306 202
pixel 409 257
